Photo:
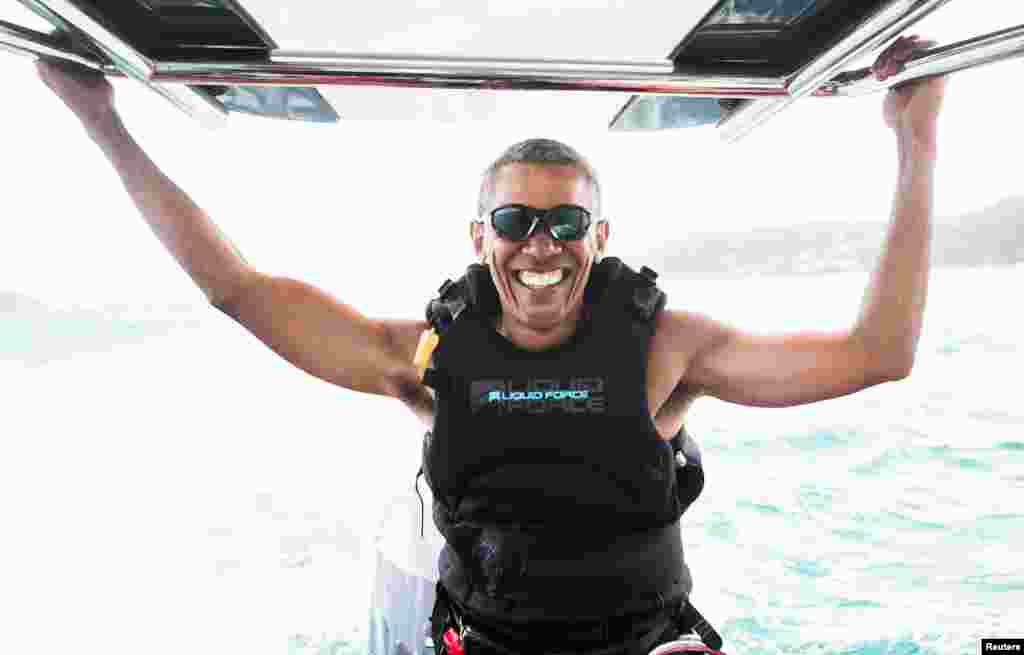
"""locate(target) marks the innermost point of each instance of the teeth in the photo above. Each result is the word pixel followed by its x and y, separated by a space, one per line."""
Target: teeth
pixel 540 279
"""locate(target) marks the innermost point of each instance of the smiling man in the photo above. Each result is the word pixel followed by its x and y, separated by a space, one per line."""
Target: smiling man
pixel 539 274
pixel 553 395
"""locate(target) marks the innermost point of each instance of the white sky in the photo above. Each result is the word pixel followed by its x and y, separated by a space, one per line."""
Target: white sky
pixel 334 203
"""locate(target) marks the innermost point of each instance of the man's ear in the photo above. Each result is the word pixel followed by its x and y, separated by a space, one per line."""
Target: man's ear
pixel 476 233
pixel 602 233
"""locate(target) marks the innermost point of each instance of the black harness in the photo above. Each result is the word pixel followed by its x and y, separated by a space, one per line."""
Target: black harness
pixel 474 294
pixel 448 626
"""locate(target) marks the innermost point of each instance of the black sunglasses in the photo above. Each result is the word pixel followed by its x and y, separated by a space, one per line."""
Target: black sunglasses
pixel 517 222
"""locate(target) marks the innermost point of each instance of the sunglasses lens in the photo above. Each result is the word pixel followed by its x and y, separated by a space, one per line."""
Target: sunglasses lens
pixel 512 222
pixel 569 223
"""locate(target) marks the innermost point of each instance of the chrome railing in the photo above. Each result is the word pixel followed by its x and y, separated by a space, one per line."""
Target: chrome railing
pixel 765 96
pixel 327 69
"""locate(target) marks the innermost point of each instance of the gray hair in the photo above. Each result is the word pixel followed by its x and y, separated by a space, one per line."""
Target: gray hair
pixel 538 151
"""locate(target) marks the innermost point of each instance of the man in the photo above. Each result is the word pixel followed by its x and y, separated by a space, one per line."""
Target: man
pixel 540 237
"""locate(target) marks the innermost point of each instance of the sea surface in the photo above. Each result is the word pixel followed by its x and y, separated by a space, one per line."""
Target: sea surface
pixel 187 491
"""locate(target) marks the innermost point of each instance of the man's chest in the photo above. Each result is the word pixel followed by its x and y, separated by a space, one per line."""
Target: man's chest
pixel 566 391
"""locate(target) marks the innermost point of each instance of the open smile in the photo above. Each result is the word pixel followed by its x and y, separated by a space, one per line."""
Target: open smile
pixel 546 279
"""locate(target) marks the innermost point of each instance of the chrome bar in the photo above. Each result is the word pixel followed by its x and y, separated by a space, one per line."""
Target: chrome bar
pixel 885 25
pixel 29 43
pixel 457 74
pixel 962 55
pixel 473 66
pixel 130 62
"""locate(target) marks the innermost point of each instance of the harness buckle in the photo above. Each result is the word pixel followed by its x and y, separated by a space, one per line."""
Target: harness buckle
pixel 453 642
pixel 690 620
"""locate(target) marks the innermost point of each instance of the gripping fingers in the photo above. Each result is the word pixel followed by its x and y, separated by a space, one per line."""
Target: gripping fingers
pixel 893 59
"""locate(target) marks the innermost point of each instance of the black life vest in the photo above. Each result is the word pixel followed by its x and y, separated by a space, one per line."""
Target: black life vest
pixel 548 475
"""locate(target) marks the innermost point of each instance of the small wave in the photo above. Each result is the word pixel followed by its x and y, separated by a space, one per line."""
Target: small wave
pixel 885 647
pixel 808 568
pixel 761 508
pixel 969 463
pixel 856 536
pixel 720 526
pixel 859 603
pixel 992 527
pixel 885 460
pixel 951 457
pixel 997 582
pixel 890 519
pixel 748 627
pixel 815 498
pixel 823 439
pixel 834 439
pixel 754 646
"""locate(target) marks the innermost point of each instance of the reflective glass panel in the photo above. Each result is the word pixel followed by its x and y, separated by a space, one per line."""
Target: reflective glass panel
pixel 290 103
pixel 760 12
pixel 157 5
pixel 668 112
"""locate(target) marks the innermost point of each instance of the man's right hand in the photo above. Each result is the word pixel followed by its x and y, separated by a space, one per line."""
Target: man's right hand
pixel 85 91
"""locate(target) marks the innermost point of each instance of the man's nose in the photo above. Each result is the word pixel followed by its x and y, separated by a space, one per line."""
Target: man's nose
pixel 540 243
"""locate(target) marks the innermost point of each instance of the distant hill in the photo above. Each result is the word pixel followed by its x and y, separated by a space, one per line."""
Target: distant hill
pixel 993 236
pixel 16 304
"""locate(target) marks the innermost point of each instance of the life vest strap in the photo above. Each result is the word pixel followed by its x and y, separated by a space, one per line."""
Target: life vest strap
pixel 475 292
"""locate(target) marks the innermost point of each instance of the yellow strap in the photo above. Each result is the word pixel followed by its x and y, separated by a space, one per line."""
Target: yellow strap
pixel 428 341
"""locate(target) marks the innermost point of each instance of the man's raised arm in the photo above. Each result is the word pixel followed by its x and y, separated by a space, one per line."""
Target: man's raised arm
pixel 306 326
pixel 792 369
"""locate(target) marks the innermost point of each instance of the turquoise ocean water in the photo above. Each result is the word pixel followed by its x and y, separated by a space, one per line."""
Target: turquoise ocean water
pixel 887 522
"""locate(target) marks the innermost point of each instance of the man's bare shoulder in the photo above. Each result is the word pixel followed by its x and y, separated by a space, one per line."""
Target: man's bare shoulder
pixel 685 332
pixel 679 337
pixel 404 336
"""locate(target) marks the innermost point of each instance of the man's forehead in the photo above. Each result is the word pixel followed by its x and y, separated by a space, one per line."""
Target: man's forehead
pixel 561 183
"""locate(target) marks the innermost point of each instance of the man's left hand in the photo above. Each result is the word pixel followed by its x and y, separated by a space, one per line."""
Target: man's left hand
pixel 910 109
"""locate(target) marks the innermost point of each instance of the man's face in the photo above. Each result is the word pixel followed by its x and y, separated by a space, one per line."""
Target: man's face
pixel 535 307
